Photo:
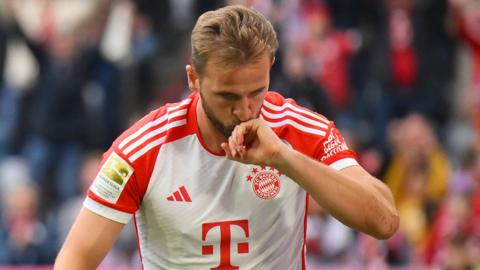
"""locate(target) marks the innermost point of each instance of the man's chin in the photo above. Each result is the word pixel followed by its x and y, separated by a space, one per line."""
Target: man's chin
pixel 227 131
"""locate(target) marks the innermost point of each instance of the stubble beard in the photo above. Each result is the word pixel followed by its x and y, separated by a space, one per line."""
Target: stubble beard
pixel 225 130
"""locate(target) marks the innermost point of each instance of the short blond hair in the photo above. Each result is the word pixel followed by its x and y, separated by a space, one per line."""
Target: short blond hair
pixel 235 35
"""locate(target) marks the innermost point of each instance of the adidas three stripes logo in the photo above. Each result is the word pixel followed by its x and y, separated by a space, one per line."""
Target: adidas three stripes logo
pixel 181 195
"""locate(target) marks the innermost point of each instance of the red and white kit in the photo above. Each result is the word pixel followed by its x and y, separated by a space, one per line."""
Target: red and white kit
pixel 194 209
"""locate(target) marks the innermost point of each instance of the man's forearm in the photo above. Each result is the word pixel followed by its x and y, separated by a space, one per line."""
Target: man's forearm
pixel 70 260
pixel 361 206
pixel 89 240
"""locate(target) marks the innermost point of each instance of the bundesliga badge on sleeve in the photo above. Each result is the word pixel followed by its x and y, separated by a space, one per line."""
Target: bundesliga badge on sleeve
pixel 112 178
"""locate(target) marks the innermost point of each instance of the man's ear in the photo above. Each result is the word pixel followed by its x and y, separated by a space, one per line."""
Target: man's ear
pixel 192 76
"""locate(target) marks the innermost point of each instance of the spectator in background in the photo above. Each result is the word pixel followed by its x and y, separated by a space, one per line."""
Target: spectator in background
pixel 141 76
pixel 57 135
pixel 418 175
pixel 370 252
pixel 299 85
pixel 13 171
pixel 454 235
pixel 463 179
pixel 17 73
pixel 457 255
pixel 474 241
pixel 24 238
pixel 452 223
pixel 158 12
pixel 3 52
pixel 466 18
pixel 410 65
pixel 329 51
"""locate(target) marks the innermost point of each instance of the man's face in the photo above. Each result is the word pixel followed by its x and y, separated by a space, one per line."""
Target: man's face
pixel 234 96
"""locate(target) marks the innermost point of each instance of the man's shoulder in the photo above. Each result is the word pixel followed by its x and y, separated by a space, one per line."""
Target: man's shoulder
pixel 281 112
pixel 305 130
pixel 158 127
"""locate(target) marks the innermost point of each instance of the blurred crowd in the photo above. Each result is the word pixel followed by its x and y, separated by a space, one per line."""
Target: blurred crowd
pixel 400 78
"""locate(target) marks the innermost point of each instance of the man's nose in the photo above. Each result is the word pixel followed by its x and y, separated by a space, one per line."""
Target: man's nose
pixel 243 109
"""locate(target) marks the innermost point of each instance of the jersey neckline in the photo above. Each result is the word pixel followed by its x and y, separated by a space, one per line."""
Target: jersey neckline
pixel 192 118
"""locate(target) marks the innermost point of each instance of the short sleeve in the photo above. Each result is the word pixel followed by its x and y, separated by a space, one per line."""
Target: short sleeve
pixel 333 150
pixel 126 169
pixel 114 193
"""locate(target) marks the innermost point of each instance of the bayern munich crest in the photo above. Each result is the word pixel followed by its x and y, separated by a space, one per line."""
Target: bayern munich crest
pixel 265 181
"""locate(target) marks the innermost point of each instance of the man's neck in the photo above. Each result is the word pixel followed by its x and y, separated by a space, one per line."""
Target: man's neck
pixel 211 137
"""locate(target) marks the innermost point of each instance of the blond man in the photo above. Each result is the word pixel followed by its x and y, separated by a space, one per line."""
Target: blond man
pixel 221 179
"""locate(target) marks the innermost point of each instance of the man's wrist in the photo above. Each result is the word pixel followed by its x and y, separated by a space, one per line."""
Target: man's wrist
pixel 280 157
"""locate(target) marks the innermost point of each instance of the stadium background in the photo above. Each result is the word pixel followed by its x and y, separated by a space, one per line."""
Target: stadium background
pixel 401 79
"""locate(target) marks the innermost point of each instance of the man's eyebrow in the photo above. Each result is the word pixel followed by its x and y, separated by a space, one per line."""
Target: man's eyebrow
pixel 258 89
pixel 225 92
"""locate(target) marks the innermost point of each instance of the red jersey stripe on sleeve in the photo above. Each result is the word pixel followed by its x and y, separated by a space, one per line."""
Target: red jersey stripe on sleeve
pixel 151 140
pixel 168 112
pixel 296 125
pixel 286 113
pixel 152 132
pixel 289 105
pixel 292 114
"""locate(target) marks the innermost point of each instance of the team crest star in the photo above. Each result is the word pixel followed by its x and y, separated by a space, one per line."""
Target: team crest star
pixel 272 169
pixel 254 170
pixel 249 178
pixel 263 167
pixel 279 173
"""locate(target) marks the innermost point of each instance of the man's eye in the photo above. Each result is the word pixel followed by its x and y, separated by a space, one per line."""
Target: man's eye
pixel 229 96
pixel 256 93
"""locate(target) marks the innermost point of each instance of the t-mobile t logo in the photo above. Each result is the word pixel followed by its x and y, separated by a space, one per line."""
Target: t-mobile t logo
pixel 225 239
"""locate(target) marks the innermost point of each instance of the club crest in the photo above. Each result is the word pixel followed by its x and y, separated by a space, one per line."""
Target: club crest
pixel 265 181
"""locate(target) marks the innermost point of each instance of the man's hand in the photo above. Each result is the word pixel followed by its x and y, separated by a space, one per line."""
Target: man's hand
pixel 253 142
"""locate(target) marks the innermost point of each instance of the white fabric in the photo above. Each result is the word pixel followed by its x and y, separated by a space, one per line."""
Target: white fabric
pixel 219 191
pixel 343 163
pixel 107 212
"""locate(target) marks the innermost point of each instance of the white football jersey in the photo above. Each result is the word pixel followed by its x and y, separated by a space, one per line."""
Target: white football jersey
pixel 195 209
